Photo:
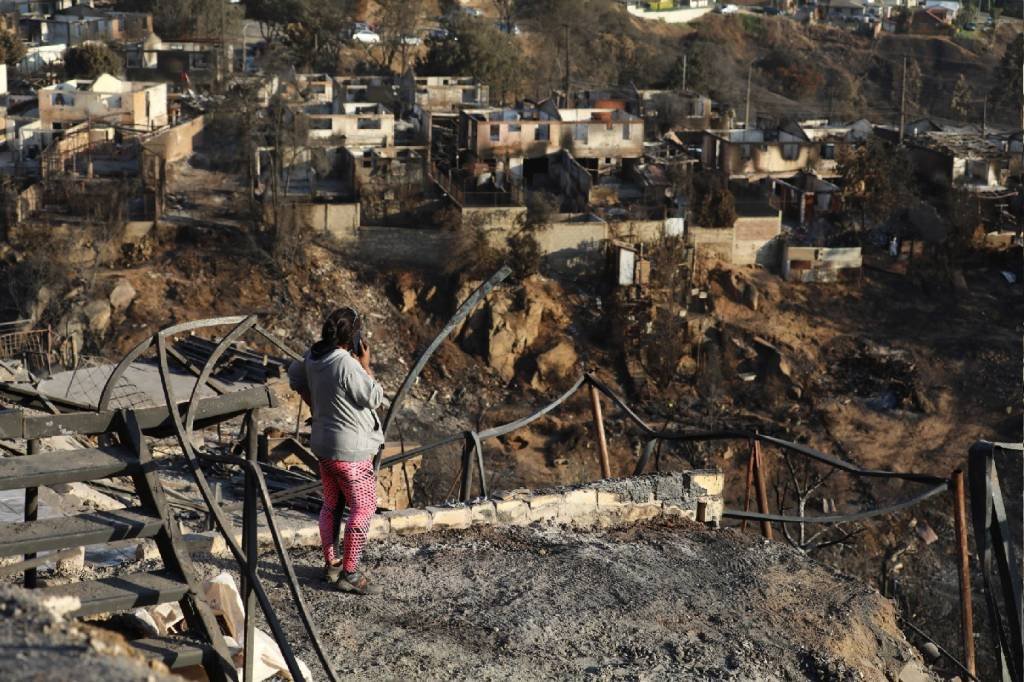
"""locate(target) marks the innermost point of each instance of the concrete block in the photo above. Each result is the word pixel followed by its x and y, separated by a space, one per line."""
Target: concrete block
pixel 713 509
pixel 582 498
pixel 545 507
pixel 512 512
pixel 380 526
pixel 579 507
pixel 409 521
pixel 606 498
pixel 450 517
pixel 483 514
pixel 712 482
pixel 633 513
pixel 668 488
pixel 679 512
pixel 307 536
pixel 517 494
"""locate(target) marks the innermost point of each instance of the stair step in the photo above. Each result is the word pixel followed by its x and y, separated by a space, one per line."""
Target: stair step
pixel 119 593
pixel 174 652
pixel 91 528
pixel 65 466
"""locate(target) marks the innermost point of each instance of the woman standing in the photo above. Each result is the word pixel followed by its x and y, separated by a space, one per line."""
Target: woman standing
pixel 334 378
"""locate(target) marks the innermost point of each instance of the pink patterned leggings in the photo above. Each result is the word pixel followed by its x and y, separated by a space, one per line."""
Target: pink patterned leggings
pixel 356 484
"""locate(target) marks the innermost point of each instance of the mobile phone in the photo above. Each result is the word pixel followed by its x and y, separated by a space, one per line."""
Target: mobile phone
pixel 358 342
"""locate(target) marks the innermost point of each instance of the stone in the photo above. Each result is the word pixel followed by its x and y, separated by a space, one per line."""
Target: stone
pixel 73 564
pixel 409 521
pixel 122 295
pixel 668 488
pixel 556 363
pixel 512 512
pixel 147 551
pixel 712 482
pixel 483 514
pixel 450 517
pixel 97 315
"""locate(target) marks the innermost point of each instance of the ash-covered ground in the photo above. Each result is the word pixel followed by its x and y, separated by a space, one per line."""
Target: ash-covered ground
pixel 660 600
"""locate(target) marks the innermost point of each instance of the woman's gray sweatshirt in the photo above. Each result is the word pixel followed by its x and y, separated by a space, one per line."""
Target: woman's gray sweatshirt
pixel 344 399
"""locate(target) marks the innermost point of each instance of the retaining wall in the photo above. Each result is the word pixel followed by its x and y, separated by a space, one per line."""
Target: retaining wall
pixel 695 495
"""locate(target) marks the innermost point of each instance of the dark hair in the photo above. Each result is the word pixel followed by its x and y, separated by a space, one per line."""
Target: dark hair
pixel 340 328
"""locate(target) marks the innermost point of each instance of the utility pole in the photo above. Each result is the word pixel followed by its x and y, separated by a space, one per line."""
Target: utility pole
pixel 984 115
pixel 565 29
pixel 746 118
pixel 903 100
pixel 684 72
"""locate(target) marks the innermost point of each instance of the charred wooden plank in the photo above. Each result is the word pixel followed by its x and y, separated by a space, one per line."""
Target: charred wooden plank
pixel 91 528
pixel 119 593
pixel 65 466
pixel 174 652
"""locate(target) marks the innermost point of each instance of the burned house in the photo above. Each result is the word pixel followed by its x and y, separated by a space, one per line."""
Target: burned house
pixel 134 105
pixel 442 93
pixel 806 197
pixel 969 160
pixel 778 152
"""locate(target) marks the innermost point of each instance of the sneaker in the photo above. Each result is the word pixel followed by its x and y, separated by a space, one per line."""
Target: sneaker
pixel 357 583
pixel 332 572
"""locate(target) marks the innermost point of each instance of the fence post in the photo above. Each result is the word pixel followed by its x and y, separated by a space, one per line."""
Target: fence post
pixel 762 489
pixel 602 442
pixel 963 561
pixel 466 490
pixel 31 514
pixel 254 443
pixel 749 482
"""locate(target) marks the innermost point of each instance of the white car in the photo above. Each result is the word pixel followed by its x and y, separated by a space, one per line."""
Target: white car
pixel 412 40
pixel 727 9
pixel 472 12
pixel 365 36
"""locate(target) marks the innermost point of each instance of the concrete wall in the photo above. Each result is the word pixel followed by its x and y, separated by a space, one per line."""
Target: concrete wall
pixel 178 142
pixel 490 217
pixel 819 264
pixel 716 242
pixel 341 221
pixel 574 180
pixel 755 240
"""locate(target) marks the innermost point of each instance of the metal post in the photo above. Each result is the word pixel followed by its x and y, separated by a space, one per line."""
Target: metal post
pixel 750 482
pixel 254 443
pixel 963 558
pixel 602 442
pixel 31 514
pixel 762 490
pixel 466 489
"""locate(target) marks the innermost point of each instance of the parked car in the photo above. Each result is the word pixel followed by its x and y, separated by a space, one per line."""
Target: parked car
pixel 438 33
pixel 365 36
pixel 772 11
pixel 727 9
pixel 472 12
pixel 971 26
pixel 412 40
